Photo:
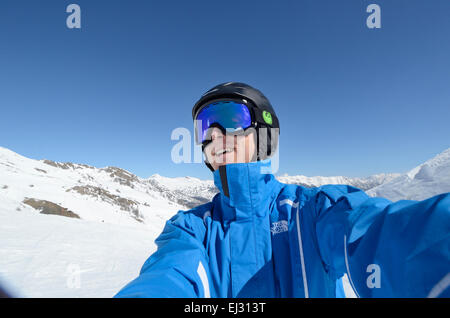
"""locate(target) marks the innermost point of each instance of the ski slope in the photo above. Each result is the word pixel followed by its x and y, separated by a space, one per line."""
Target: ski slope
pixel 54 256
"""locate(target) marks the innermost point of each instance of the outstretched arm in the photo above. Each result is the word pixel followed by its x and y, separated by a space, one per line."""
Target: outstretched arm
pixel 387 249
pixel 178 269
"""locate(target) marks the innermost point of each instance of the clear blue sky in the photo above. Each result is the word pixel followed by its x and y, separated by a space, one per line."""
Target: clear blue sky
pixel 351 100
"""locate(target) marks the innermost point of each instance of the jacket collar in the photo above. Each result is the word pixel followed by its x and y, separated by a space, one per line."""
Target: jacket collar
pixel 245 188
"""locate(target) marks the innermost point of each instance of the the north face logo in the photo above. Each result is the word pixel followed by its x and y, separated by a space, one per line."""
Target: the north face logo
pixel 279 227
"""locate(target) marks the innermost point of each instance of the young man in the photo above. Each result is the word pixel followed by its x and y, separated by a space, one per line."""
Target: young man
pixel 261 238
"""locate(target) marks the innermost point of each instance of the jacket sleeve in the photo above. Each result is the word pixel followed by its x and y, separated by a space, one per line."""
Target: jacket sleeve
pixel 178 269
pixel 387 249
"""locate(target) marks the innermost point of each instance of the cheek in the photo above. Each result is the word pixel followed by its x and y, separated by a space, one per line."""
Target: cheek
pixel 246 147
pixel 208 155
pixel 251 144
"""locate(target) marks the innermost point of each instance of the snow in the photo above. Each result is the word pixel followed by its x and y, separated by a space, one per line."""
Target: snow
pixel 424 181
pixel 23 180
pixel 41 255
pixel 54 256
pixel 361 183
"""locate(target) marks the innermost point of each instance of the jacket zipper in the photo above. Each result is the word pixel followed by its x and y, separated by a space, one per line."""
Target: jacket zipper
pixel 300 247
pixel 348 267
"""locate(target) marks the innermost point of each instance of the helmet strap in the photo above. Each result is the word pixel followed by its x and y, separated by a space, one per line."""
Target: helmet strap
pixel 209 166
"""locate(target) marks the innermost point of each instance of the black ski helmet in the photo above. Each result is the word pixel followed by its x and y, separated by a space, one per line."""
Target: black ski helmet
pixel 263 112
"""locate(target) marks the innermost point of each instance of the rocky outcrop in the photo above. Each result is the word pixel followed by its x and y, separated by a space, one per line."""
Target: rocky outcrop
pixel 121 176
pixel 101 194
pixel 47 207
pixel 66 165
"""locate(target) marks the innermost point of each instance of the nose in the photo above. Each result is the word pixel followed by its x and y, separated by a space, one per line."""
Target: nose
pixel 216 133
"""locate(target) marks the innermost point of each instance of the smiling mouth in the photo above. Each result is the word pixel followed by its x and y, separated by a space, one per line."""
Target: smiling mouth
pixel 223 151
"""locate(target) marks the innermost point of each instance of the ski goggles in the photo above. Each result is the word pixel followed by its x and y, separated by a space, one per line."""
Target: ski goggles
pixel 229 116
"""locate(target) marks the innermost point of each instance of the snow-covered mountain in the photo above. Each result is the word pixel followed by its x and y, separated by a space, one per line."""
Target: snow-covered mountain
pixel 110 194
pixel 424 181
pixel 361 183
pixel 111 219
pixel 114 195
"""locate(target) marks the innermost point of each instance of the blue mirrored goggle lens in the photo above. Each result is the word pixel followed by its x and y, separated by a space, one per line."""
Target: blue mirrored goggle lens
pixel 232 116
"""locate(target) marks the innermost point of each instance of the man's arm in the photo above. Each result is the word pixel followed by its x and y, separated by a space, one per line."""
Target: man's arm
pixel 178 269
pixel 387 249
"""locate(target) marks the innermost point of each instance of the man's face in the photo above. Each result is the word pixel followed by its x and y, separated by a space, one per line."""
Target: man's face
pixel 224 149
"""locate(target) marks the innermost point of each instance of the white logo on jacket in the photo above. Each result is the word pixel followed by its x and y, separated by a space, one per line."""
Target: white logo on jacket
pixel 279 227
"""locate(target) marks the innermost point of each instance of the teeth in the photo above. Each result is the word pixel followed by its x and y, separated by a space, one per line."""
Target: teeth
pixel 222 151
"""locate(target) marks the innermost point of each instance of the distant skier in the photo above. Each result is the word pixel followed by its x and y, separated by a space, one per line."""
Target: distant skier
pixel 262 238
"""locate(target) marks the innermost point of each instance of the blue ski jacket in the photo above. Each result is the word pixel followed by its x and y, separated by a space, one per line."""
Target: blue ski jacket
pixel 262 238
